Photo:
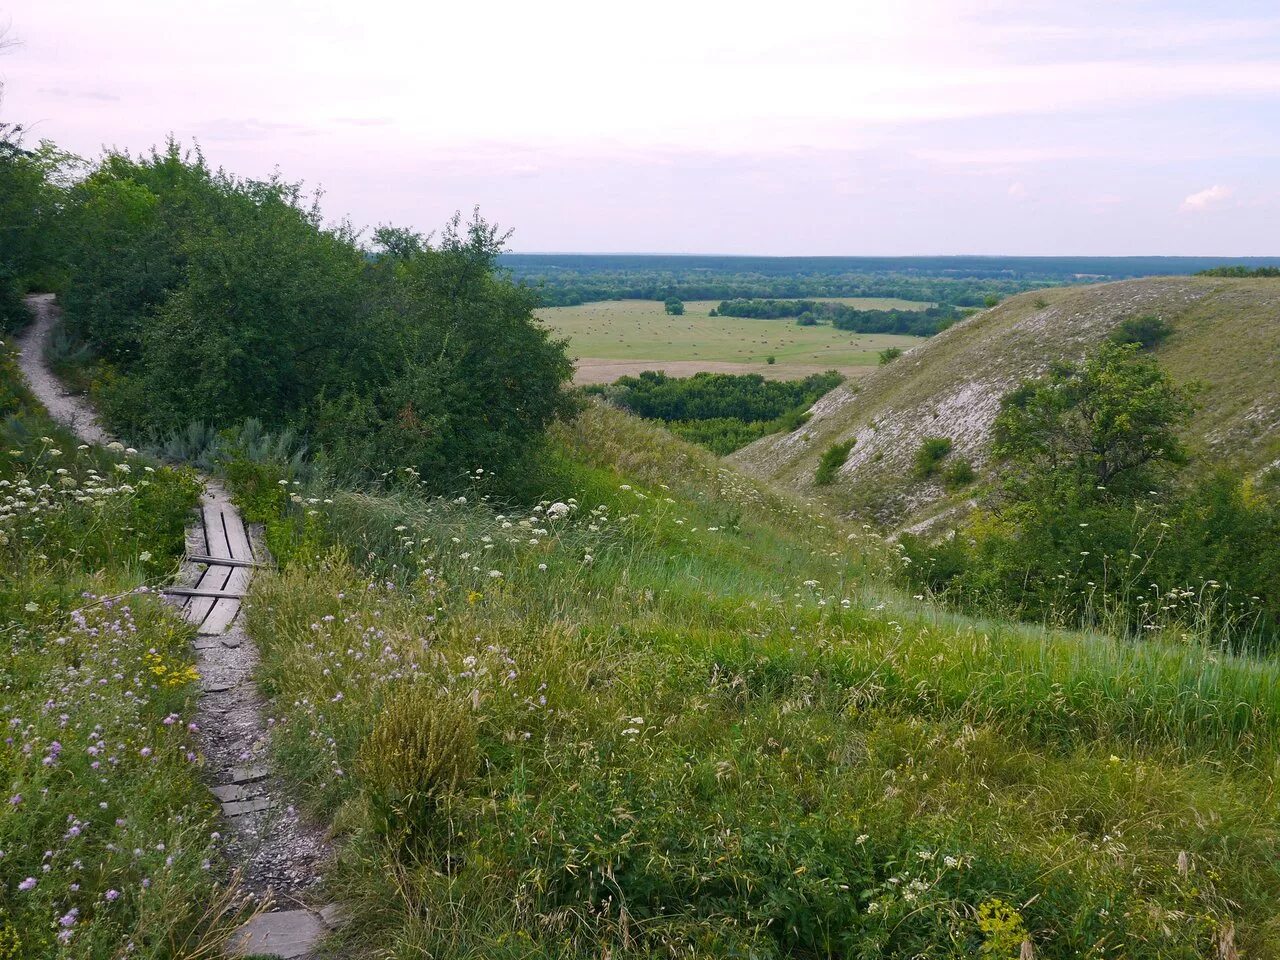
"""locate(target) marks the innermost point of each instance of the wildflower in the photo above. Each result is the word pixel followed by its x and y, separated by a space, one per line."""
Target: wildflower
pixel 112 896
pixel 27 884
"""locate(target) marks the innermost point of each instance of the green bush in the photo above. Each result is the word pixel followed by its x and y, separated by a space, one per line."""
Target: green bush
pixel 930 456
pixel 1148 331
pixel 960 474
pixel 223 299
pixel 889 354
pixel 421 750
pixel 832 460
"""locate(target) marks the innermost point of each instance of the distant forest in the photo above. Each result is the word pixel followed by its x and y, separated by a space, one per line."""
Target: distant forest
pixel 570 279
pixel 842 316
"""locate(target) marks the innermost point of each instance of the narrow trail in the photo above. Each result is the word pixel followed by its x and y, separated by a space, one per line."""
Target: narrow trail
pixel 279 855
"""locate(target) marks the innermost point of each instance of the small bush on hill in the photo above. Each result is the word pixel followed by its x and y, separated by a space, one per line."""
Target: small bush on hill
pixel 889 354
pixel 959 474
pixel 1148 331
pixel 832 460
pixel 930 456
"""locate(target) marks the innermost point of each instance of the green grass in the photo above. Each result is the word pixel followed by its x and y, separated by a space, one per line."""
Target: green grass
pixel 705 729
pixel 106 828
pixel 640 330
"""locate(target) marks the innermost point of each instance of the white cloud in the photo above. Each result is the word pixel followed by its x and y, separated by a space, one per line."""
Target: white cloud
pixel 1207 198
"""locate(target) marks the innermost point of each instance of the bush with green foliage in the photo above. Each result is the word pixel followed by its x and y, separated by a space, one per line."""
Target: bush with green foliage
pixel 216 299
pixel 958 475
pixel 721 411
pixel 30 192
pixel 929 457
pixel 889 354
pixel 1240 272
pixel 1147 331
pixel 832 460
pixel 674 307
pixel 1095 524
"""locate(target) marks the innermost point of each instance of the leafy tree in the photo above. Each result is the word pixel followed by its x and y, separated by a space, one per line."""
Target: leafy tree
pixel 674 306
pixel 217 299
pixel 1106 427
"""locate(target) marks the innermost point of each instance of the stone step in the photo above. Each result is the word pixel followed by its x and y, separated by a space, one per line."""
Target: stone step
pixel 288 934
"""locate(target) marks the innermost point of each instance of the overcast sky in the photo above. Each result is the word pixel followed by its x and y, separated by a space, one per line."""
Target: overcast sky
pixel 903 127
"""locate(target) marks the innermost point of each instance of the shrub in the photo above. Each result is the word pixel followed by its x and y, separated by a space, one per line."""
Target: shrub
pixel 225 299
pixel 1148 331
pixel 771 359
pixel 420 752
pixel 890 354
pixel 674 307
pixel 832 460
pixel 959 474
pixel 930 455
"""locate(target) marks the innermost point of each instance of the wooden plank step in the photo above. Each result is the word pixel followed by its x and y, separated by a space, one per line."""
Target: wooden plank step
pixel 215 594
pixel 223 561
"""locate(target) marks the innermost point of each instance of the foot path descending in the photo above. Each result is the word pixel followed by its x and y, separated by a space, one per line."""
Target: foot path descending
pixel 278 854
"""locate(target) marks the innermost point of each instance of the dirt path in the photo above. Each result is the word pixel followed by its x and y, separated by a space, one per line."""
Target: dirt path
pixel 278 854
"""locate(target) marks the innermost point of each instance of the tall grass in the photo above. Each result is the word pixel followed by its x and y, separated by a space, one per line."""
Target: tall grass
pixel 107 835
pixel 704 727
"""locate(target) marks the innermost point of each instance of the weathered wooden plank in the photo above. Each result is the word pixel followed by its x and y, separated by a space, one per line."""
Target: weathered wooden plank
pixel 197 592
pixel 198 608
pixel 223 561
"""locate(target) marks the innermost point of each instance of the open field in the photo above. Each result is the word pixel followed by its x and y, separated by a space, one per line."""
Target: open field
pixel 639 335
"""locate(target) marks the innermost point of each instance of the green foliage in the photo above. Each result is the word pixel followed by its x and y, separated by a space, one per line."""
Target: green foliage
pixel 721 411
pixel 674 307
pixel 958 475
pixel 889 354
pixel 1107 428
pixel 832 460
pixel 1240 272
pixel 421 750
pixel 221 299
pixel 929 457
pixel 1095 525
pixel 771 359
pixel 29 236
pixel 842 316
pixel 1147 331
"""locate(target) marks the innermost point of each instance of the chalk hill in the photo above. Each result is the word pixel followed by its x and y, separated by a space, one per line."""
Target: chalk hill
pixel 1226 335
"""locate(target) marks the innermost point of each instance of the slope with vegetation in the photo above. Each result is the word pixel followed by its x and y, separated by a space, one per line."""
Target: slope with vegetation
pixel 1224 333
pixel 621 701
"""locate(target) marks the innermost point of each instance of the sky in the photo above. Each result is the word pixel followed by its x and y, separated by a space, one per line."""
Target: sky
pixel 699 126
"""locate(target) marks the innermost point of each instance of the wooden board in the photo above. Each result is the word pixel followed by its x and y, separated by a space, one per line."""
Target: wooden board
pixel 224 537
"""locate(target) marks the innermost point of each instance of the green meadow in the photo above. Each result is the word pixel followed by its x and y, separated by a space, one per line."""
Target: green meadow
pixel 641 331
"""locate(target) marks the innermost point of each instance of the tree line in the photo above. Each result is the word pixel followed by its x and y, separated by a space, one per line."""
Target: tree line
pixel 208 297
pixel 843 316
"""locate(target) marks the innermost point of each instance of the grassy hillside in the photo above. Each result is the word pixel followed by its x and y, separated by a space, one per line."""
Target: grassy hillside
pixel 667 712
pixel 108 834
pixel 1226 335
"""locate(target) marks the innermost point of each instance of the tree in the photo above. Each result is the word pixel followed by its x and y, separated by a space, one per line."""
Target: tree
pixel 674 306
pixel 1106 427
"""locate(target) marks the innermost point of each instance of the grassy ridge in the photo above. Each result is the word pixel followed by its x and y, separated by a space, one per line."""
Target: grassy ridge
pixel 703 730
pixel 106 831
